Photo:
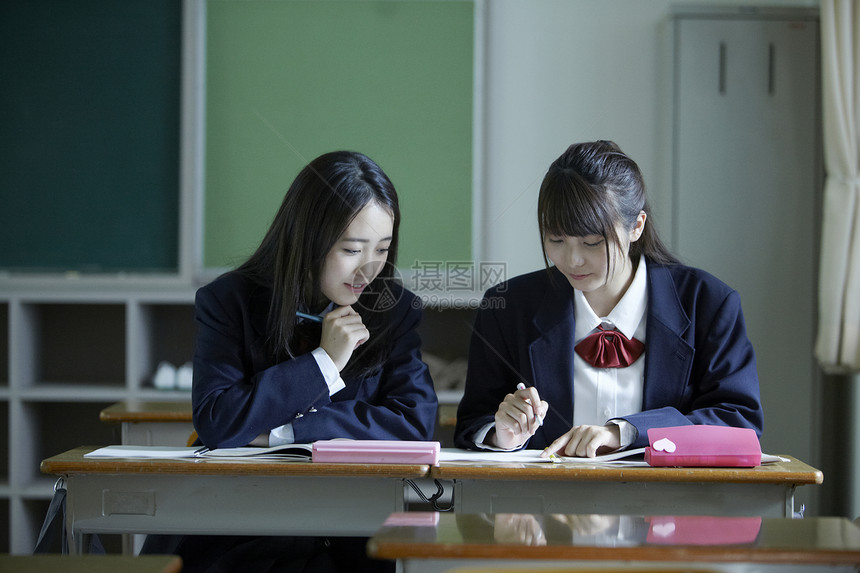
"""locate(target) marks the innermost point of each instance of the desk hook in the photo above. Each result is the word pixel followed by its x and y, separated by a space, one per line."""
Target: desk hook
pixel 60 484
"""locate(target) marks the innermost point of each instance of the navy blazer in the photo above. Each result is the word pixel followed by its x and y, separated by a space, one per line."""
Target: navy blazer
pixel 240 391
pixel 699 363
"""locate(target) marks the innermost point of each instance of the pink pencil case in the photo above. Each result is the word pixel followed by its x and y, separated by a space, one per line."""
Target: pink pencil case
pixel 375 452
pixel 704 446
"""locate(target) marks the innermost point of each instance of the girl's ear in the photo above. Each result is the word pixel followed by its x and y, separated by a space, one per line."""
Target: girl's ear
pixel 638 227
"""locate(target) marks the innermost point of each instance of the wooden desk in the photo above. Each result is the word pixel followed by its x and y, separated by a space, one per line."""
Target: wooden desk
pixel 213 496
pixel 150 423
pixel 91 564
pixel 536 541
pixel 592 488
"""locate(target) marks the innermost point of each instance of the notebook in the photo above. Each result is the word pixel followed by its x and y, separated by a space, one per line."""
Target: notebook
pixel 703 446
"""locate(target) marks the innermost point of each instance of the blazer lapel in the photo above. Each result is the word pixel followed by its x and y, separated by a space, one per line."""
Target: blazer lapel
pixel 669 357
pixel 551 355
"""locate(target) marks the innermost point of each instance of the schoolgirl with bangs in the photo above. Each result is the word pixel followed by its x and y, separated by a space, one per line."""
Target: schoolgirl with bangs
pixel 309 339
pixel 614 337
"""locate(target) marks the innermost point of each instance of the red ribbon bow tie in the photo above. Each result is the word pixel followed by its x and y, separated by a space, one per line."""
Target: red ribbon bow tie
pixel 609 349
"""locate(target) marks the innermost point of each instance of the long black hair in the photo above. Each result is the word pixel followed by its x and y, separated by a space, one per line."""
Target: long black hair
pixel 320 204
pixel 589 190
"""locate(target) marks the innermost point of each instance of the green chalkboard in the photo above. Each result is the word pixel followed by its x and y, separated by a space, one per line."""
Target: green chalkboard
pixel 89 135
pixel 288 80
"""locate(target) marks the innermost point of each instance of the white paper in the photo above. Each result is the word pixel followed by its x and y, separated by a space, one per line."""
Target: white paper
pixel 534 456
pixel 162 452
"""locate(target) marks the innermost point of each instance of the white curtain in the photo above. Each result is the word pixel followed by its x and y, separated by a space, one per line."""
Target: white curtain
pixel 838 341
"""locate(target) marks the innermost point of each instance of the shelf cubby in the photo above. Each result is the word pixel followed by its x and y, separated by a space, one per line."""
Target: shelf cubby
pixel 4 439
pixel 51 428
pixel 5 526
pixel 75 343
pixel 165 332
pixel 4 344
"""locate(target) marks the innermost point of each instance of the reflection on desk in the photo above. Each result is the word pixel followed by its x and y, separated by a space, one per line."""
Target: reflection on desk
pixel 585 488
pixel 91 563
pixel 596 537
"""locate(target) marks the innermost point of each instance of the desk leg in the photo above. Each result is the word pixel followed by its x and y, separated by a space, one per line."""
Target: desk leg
pixel 76 541
pixel 789 501
pixel 73 541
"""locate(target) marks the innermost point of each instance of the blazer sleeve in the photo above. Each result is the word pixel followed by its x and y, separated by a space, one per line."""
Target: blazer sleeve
pixel 239 394
pixel 493 371
pixel 721 386
pixel 396 403
pixel 233 400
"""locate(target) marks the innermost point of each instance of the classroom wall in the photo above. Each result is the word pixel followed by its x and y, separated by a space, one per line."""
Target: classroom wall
pixel 560 71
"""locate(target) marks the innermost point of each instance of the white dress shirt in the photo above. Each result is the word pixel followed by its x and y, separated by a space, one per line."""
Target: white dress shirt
pixel 284 434
pixel 603 394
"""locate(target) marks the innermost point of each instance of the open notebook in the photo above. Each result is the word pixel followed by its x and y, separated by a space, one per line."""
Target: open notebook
pixel 332 451
pixel 295 452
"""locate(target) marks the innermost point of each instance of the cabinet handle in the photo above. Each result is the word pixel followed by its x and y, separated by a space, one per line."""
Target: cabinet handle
pixel 771 69
pixel 722 70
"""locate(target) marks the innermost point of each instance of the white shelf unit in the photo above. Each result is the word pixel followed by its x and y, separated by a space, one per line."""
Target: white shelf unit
pixel 63 358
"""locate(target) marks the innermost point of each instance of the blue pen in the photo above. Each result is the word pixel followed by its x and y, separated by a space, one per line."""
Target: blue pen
pixel 307 316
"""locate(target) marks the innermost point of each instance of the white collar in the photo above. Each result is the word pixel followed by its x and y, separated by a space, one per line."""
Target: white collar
pixel 626 315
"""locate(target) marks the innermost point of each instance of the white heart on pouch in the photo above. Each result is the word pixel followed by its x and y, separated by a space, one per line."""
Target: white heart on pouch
pixel 664 529
pixel 664 445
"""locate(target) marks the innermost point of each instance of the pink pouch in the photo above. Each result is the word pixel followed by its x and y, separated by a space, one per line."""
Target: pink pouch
pixel 375 452
pixel 705 446
pixel 702 530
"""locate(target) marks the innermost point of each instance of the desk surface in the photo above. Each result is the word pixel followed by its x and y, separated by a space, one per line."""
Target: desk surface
pixel 616 538
pixel 146 411
pixel 73 462
pixel 91 563
pixel 792 472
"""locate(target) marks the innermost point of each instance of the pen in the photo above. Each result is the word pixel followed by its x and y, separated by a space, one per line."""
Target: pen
pixel 522 386
pixel 307 316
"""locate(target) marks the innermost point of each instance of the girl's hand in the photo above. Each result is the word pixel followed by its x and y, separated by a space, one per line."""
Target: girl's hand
pixel 517 418
pixel 342 332
pixel 586 441
pixel 519 528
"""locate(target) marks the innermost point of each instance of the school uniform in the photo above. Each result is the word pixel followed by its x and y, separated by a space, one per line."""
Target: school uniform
pixel 241 391
pixel 698 366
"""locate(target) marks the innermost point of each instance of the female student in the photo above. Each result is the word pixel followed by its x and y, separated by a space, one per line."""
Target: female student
pixel 611 339
pixel 309 339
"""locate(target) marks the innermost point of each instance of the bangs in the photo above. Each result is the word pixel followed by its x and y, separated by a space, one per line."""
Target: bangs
pixel 568 206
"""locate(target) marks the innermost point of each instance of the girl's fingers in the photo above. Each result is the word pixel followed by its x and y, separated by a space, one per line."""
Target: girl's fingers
pixel 515 420
pixel 343 332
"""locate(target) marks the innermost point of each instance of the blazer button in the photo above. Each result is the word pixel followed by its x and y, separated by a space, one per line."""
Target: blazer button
pixel 299 415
